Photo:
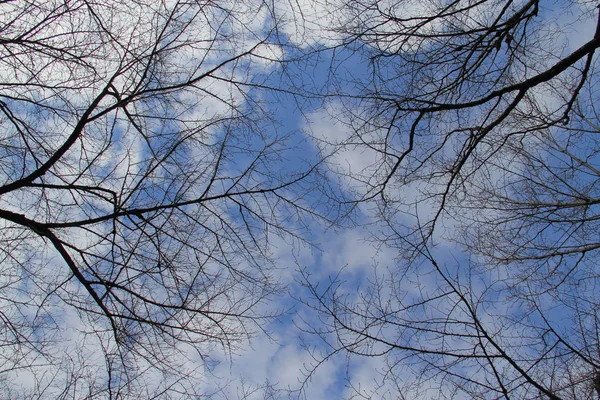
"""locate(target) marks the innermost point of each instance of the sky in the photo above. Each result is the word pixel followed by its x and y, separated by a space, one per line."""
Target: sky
pixel 285 359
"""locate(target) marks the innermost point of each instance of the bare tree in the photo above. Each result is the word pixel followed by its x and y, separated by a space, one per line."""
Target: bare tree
pixel 142 174
pixel 483 123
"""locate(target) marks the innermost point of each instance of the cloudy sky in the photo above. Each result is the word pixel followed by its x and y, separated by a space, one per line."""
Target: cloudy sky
pixel 309 58
pixel 283 359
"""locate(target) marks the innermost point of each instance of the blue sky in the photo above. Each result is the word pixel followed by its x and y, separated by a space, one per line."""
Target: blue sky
pixel 284 357
pixel 351 253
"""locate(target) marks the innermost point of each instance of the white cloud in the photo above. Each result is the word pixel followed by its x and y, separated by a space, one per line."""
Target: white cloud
pixel 309 23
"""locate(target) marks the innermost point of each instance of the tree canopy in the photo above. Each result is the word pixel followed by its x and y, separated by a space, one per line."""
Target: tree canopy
pixel 157 157
pixel 482 123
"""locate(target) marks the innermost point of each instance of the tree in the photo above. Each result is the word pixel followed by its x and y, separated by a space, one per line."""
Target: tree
pixel 142 175
pixel 484 127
